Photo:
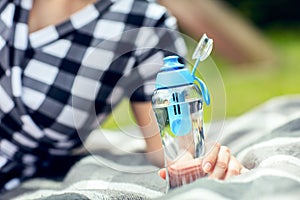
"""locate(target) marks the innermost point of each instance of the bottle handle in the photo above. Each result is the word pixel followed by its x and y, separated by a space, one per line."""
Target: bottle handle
pixel 204 90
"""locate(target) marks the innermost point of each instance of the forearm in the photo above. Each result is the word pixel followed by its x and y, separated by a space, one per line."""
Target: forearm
pixel 154 151
pixel 146 120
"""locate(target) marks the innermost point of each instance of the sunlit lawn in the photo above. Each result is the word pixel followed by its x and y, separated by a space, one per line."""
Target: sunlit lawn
pixel 247 88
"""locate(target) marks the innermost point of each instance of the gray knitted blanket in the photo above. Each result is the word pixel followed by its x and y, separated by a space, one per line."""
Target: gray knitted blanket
pixel 266 140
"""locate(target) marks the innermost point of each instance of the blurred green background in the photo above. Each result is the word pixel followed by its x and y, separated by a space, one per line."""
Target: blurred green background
pixel 279 22
pixel 247 87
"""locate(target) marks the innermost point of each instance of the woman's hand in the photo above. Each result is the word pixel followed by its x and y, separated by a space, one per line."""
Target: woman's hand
pixel 219 164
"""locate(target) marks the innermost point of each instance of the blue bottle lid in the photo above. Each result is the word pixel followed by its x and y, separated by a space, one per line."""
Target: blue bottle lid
pixel 173 73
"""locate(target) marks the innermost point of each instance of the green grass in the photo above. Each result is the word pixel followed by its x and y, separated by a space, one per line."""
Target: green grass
pixel 249 87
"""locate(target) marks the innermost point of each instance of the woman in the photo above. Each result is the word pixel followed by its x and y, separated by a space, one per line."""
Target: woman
pixel 61 61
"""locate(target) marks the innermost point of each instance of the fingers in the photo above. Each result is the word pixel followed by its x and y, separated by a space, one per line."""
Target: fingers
pixel 234 167
pixel 210 160
pixel 162 173
pixel 192 166
pixel 221 166
pixel 185 172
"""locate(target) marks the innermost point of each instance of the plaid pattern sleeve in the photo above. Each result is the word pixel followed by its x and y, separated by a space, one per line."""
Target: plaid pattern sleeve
pixel 58 83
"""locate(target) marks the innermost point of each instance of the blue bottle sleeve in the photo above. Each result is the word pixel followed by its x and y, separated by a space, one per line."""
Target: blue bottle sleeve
pixel 179 115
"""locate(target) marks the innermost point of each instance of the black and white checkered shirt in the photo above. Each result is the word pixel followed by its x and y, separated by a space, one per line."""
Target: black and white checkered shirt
pixel 60 82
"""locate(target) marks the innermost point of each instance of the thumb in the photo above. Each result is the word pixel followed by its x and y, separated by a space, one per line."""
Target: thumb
pixel 162 173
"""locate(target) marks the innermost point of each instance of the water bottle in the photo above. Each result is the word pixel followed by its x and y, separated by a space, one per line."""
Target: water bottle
pixel 178 106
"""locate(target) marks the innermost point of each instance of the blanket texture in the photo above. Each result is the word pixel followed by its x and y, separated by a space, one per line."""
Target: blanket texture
pixel 266 140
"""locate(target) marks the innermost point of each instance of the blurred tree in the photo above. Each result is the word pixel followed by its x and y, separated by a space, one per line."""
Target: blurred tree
pixel 236 39
pixel 266 13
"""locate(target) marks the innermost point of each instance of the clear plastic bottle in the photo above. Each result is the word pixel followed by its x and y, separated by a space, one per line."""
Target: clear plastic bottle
pixel 178 106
